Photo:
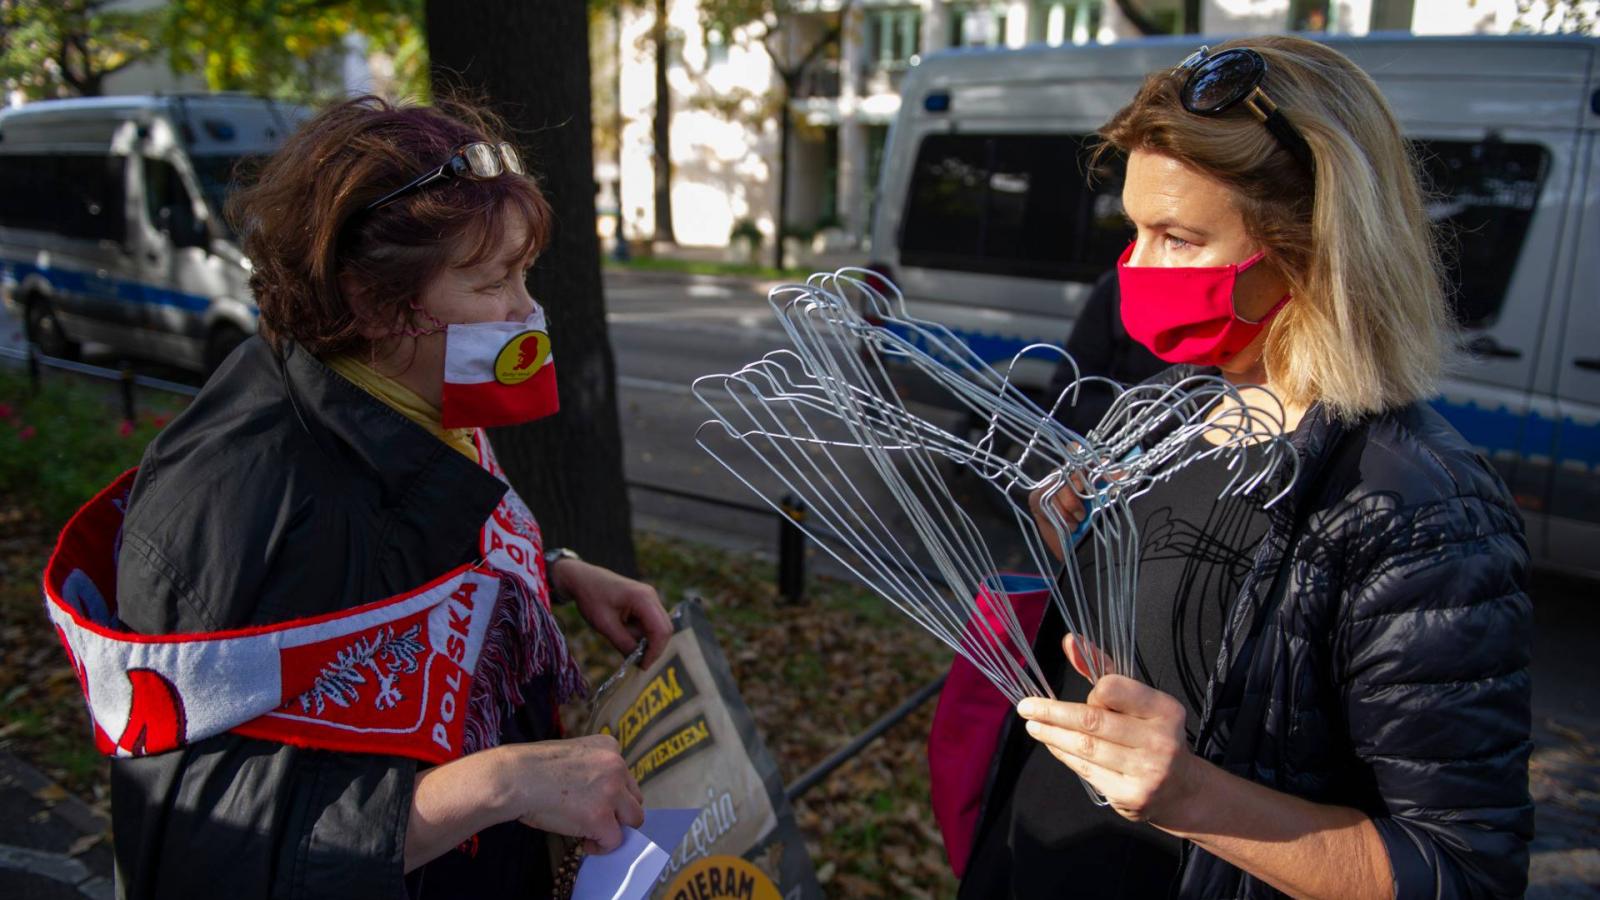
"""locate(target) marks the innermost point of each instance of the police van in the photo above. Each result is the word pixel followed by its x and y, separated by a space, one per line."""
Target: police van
pixel 986 220
pixel 111 225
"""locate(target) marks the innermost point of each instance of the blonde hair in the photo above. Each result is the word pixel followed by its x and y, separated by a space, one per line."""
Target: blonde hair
pixel 1368 328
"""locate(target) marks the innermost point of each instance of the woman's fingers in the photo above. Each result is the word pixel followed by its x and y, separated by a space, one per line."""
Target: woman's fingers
pixel 1123 694
pixel 1089 660
pixel 1096 722
pixel 630 811
pixel 1109 783
pixel 1084 745
pixel 656 624
pixel 606 838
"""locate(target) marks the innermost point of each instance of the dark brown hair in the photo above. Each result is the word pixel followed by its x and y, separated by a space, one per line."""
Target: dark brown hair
pixel 302 224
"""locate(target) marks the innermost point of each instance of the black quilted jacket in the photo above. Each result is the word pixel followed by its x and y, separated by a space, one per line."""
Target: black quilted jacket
pixel 1378 657
pixel 285 491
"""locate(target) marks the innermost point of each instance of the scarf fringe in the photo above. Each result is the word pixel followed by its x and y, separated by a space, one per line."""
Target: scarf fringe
pixel 524 641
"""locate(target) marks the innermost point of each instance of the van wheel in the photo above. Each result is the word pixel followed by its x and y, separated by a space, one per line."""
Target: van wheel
pixel 44 330
pixel 221 343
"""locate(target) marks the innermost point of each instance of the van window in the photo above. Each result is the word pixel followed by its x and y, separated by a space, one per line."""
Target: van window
pixel 220 176
pixel 1481 195
pixel 166 201
pixel 73 195
pixel 1012 204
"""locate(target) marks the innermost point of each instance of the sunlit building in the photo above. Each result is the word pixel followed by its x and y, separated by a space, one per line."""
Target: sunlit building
pixel 725 93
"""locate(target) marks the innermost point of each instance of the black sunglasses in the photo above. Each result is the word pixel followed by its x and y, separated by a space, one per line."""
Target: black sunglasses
pixel 478 160
pixel 1218 83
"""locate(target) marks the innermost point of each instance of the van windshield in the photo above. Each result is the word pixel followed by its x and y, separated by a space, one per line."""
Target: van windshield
pixel 219 176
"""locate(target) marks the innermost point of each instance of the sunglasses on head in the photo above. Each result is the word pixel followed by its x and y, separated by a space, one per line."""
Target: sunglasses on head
pixel 478 160
pixel 1218 83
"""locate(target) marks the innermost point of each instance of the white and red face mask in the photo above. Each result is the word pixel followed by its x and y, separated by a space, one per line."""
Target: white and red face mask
pixel 498 373
pixel 1184 314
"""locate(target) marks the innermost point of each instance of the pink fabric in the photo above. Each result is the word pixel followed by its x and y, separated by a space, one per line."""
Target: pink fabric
pixel 1184 314
pixel 970 716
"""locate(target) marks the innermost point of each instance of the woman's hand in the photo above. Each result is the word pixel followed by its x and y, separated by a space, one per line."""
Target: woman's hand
pixel 1066 502
pixel 1127 741
pixel 578 787
pixel 621 609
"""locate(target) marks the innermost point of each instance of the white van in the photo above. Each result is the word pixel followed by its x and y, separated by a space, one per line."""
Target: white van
pixel 111 225
pixel 987 222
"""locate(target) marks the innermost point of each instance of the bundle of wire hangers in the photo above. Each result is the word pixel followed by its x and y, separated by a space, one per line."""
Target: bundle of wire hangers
pixel 821 420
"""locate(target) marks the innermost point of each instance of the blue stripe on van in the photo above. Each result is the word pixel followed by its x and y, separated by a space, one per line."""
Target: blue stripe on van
pixel 1565 441
pixel 70 281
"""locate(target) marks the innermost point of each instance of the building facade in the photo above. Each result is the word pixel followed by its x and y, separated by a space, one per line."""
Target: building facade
pixel 725 94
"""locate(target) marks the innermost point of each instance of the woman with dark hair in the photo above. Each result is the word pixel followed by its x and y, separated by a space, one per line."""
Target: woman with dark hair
pixel 325 661
pixel 1333 695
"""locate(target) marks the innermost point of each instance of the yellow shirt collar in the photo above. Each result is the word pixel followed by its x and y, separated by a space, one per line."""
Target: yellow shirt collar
pixel 404 401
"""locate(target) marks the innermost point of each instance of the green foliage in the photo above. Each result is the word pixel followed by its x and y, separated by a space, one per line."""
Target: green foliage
pixel 59 447
pixel 57 48
pixel 1556 17
pixel 746 230
pixel 289 49
pixel 765 22
pixel 294 50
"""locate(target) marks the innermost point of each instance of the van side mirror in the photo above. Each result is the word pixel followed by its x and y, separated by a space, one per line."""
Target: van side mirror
pixel 192 232
pixel 183 230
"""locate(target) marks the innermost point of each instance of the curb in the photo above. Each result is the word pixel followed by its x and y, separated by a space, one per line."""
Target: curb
pixel 665 276
pixel 82 869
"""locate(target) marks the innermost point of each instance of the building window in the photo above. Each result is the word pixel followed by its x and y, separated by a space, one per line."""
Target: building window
pixel 1070 21
pixel 976 26
pixel 1310 15
pixel 894 36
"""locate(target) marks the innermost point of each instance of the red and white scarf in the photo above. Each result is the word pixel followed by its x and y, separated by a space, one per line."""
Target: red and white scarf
pixel 428 673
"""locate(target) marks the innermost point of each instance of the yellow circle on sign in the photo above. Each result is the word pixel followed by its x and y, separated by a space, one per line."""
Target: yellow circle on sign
pixel 522 356
pixel 717 877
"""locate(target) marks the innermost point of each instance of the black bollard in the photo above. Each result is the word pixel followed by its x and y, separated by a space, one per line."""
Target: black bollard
pixel 792 551
pixel 34 380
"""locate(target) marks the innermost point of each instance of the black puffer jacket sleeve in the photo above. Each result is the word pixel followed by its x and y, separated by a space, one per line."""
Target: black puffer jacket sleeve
pixel 1431 663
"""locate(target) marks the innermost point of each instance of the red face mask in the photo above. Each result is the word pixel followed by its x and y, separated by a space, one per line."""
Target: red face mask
pixel 1184 314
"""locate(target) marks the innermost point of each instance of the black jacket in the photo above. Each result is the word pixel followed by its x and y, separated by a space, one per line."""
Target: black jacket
pixel 1377 657
pixel 283 491
pixel 1099 345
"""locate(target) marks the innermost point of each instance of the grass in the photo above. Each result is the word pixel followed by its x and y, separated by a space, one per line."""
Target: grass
pixel 59 445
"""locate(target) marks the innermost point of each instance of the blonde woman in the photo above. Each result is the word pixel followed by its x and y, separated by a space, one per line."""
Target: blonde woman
pixel 1333 696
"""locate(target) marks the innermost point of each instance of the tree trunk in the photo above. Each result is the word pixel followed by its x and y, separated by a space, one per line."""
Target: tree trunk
pixel 662 123
pixel 780 224
pixel 618 122
pixel 531 61
pixel 1137 19
pixel 1191 16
